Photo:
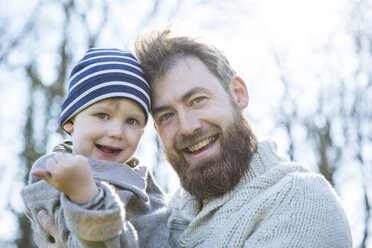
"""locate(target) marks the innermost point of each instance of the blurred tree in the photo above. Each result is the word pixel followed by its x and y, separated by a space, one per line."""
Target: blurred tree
pixel 339 124
pixel 361 108
pixel 41 39
pixel 54 34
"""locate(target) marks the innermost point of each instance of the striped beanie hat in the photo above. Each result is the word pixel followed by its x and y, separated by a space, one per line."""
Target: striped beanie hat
pixel 101 74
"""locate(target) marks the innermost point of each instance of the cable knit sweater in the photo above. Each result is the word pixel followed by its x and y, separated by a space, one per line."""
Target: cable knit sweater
pixel 134 212
pixel 276 204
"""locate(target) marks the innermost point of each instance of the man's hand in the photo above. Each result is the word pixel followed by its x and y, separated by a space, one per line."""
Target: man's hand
pixel 71 175
pixel 47 222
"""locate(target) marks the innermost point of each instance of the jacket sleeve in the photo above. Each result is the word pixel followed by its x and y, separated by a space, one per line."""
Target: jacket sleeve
pixel 305 213
pixel 133 214
pixel 105 227
pixel 39 195
pixel 77 226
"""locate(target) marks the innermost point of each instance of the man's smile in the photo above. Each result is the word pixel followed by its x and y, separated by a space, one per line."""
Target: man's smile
pixel 200 145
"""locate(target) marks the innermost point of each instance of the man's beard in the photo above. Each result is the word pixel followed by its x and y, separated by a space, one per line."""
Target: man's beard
pixel 217 175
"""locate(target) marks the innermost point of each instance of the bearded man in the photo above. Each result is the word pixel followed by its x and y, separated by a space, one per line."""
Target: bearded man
pixel 236 191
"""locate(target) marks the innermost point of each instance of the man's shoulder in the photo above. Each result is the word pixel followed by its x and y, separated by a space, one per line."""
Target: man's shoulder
pixel 311 183
pixel 290 178
pixel 307 189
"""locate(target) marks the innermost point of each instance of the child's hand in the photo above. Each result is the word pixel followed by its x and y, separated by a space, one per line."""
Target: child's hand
pixel 71 175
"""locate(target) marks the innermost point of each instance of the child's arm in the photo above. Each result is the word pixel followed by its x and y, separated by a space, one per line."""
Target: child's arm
pixel 135 207
pixel 128 221
pixel 39 195
pixel 71 175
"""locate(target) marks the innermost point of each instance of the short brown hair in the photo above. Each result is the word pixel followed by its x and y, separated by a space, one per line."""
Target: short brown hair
pixel 160 50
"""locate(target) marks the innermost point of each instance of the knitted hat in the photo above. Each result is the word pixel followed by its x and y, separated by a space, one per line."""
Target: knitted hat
pixel 102 74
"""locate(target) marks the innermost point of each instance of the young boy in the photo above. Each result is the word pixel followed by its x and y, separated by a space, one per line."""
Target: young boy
pixel 105 112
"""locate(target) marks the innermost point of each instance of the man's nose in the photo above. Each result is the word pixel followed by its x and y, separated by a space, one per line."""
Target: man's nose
pixel 188 123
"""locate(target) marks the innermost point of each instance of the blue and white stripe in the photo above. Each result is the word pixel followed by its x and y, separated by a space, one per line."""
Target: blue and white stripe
pixel 102 74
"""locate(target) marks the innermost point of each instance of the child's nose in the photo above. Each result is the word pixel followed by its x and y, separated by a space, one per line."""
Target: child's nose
pixel 116 130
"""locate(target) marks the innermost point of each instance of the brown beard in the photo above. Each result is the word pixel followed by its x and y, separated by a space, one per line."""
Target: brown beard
pixel 215 176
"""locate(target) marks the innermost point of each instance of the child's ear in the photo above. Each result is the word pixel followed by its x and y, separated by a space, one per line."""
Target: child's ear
pixel 68 127
pixel 239 91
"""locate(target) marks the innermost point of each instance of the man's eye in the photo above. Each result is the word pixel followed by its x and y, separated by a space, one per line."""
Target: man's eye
pixel 165 117
pixel 102 116
pixel 197 100
pixel 132 121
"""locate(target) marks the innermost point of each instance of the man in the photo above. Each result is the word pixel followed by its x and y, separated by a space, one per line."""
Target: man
pixel 236 191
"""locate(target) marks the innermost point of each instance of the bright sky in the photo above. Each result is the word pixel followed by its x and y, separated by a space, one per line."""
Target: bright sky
pixel 248 32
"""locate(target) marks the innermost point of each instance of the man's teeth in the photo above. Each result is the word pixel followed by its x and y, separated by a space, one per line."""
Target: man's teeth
pixel 201 144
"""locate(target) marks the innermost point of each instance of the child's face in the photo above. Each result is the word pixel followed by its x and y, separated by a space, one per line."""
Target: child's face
pixel 108 130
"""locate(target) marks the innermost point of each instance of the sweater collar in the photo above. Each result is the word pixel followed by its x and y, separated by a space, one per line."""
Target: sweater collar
pixel 263 159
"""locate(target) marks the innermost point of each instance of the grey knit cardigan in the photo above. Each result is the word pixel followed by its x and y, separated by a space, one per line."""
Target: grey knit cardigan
pixel 134 214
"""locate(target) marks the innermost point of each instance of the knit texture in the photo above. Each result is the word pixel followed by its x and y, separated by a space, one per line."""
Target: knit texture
pixel 134 212
pixel 276 204
pixel 102 74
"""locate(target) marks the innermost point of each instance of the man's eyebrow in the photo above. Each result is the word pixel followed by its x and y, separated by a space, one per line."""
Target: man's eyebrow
pixel 156 110
pixel 184 98
pixel 192 92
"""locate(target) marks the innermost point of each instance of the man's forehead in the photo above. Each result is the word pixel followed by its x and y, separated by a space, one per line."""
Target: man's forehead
pixel 186 76
pixel 182 64
pixel 186 71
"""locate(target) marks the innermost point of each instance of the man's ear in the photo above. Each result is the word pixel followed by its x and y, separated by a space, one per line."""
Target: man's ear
pixel 68 127
pixel 239 91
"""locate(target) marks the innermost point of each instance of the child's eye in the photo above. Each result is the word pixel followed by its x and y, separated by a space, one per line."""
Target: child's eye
pixel 132 121
pixel 165 117
pixel 197 100
pixel 102 116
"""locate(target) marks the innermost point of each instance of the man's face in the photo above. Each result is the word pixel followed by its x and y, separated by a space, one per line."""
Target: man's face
pixel 193 114
pixel 188 99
